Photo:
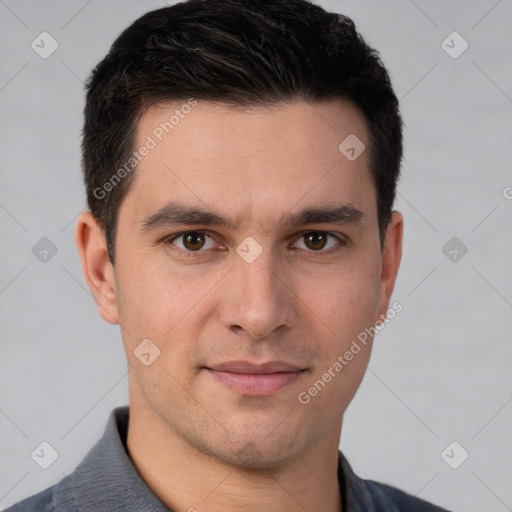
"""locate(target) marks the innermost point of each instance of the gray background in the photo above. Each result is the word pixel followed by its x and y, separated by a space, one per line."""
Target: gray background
pixel 440 371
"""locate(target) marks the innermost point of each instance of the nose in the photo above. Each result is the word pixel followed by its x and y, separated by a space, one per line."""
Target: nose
pixel 258 298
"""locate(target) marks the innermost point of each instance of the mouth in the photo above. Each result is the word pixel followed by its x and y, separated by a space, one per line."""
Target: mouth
pixel 249 379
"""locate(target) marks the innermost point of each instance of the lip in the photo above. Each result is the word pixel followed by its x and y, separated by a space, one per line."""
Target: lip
pixel 250 379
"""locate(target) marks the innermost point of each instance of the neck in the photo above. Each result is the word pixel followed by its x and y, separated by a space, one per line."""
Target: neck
pixel 187 479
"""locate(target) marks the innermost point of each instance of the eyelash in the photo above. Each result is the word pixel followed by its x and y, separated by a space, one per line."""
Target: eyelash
pixel 169 241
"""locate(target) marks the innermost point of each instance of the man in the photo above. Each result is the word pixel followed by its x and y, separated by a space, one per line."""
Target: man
pixel 240 160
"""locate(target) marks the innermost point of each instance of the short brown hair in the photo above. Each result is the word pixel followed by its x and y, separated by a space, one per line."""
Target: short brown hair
pixel 239 52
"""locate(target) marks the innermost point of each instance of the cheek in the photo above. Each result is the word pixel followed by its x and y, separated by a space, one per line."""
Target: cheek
pixel 344 314
pixel 155 305
pixel 162 304
pixel 346 301
pixel 141 297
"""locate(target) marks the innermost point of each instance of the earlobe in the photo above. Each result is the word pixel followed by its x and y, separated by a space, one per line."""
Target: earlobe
pixel 391 256
pixel 96 266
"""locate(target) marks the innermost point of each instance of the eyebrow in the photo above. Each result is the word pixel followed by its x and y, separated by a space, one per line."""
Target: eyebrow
pixel 174 214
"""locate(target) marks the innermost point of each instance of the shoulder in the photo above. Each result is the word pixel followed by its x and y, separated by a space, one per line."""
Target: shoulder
pixel 369 495
pixel 40 502
pixel 87 481
pixel 387 495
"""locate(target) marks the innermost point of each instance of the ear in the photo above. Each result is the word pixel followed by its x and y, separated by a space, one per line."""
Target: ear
pixel 96 266
pixel 391 256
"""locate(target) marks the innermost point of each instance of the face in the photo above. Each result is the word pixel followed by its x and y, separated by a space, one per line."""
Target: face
pixel 248 253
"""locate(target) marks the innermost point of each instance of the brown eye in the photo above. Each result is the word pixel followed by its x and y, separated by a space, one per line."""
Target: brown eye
pixel 319 241
pixel 193 241
pixel 316 240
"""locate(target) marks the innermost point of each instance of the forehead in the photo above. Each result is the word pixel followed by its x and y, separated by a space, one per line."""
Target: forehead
pixel 294 126
pixel 261 160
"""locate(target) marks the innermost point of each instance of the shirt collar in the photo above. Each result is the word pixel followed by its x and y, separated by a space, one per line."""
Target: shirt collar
pixel 106 479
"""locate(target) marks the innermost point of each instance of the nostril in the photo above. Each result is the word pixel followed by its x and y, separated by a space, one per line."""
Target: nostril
pixel 238 329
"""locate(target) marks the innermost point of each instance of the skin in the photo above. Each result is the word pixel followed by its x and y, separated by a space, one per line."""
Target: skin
pixel 196 442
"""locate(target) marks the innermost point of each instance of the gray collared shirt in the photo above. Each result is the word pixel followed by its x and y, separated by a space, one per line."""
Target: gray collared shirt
pixel 106 481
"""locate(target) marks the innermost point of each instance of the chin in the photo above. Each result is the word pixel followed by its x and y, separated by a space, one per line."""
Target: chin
pixel 250 457
pixel 255 452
